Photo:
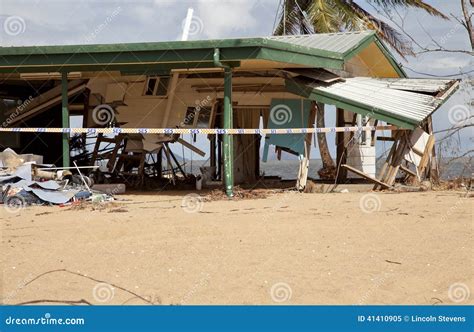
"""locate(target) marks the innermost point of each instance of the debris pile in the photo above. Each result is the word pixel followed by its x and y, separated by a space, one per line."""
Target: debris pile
pixel 239 193
pixel 24 180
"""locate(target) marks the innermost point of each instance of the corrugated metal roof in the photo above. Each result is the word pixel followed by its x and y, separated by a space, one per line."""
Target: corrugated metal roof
pixel 329 50
pixel 386 99
pixel 418 84
pixel 332 42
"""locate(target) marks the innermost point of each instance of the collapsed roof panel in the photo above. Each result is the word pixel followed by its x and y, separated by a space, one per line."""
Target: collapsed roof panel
pixel 384 99
pixel 317 74
pixel 431 86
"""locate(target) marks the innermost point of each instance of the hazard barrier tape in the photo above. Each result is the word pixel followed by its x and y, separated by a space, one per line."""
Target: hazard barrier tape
pixel 170 131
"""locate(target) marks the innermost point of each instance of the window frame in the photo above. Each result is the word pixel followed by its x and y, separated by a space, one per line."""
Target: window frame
pixel 155 87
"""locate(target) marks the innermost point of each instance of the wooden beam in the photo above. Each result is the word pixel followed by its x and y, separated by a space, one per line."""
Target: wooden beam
pixel 191 147
pixel 365 176
pixel 408 171
pixel 385 138
pixel 426 155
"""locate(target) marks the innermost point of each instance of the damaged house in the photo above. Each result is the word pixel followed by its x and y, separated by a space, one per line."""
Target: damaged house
pixel 136 100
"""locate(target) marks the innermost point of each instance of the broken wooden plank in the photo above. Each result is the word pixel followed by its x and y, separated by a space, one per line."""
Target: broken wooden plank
pixel 385 138
pixel 408 171
pixel 426 155
pixel 365 176
pixel 385 167
pixel 191 147
pixel 397 161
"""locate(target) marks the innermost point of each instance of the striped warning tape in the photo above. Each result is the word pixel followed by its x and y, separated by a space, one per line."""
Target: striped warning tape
pixel 169 131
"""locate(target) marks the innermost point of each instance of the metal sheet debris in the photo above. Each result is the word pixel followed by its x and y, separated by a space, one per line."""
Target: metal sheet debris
pixel 22 184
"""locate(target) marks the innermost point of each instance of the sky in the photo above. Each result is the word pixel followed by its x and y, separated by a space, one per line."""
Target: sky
pixel 54 22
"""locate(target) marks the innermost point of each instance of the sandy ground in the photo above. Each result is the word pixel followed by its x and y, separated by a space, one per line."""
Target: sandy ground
pixel 290 248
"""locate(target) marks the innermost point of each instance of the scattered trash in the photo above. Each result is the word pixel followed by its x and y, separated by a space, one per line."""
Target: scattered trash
pixel 110 188
pixel 25 182
pixel 239 193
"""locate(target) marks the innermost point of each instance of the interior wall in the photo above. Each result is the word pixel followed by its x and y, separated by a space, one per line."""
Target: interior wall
pixel 141 111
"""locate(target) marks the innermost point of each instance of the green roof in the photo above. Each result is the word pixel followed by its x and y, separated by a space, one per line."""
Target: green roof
pixel 319 50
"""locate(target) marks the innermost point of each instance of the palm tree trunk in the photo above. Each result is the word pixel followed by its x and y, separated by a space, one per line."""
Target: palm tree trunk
pixel 328 171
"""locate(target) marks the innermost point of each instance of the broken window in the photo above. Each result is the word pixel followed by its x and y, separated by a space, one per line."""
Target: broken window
pixel 198 117
pixel 162 88
pixel 157 86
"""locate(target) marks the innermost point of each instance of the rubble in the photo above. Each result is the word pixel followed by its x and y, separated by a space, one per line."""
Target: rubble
pixel 219 194
pixel 25 182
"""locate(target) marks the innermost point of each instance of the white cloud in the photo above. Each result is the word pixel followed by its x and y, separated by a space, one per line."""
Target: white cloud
pixel 450 62
pixel 221 18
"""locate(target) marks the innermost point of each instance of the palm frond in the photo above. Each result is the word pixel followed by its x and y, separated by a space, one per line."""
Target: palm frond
pixel 288 22
pixel 292 18
pixel 350 18
pixel 383 29
pixel 420 4
pixel 325 16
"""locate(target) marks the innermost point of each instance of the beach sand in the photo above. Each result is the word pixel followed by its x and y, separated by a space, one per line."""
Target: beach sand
pixel 288 248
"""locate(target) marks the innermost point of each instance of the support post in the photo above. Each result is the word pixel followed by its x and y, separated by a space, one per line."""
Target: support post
pixel 228 139
pixel 228 119
pixel 340 146
pixel 65 118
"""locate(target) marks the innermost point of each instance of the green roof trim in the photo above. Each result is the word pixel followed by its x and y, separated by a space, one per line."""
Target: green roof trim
pixel 319 50
pixel 359 47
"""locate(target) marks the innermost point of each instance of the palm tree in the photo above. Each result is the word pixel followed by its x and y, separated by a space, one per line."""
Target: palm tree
pixel 323 16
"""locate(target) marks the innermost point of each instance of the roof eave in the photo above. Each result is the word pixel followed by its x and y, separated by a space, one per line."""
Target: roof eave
pixel 383 48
